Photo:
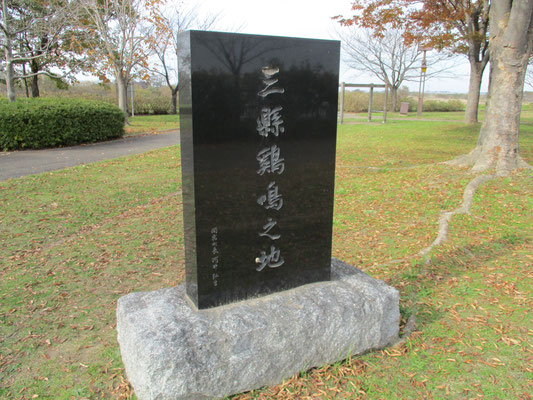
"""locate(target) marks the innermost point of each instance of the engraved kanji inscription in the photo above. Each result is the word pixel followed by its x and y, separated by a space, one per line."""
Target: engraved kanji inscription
pixel 270 122
pixel 271 260
pixel 269 81
pixel 267 228
pixel 272 199
pixel 270 161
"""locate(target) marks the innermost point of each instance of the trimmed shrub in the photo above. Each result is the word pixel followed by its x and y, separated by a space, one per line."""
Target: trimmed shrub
pixel 49 122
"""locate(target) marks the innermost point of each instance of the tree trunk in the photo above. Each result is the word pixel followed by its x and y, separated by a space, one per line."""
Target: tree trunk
pixel 34 82
pixel 122 94
pixel 472 102
pixel 34 86
pixel 511 43
pixel 10 78
pixel 9 73
pixel 26 88
pixel 394 98
pixel 498 139
pixel 25 81
pixel 174 104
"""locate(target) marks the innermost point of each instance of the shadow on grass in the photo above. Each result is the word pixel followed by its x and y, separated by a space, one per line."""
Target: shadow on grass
pixel 417 282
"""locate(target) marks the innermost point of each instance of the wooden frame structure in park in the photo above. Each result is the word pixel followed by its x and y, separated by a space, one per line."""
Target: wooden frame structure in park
pixel 343 87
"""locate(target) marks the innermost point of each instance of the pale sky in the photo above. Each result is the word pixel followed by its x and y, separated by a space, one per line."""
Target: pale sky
pixel 309 19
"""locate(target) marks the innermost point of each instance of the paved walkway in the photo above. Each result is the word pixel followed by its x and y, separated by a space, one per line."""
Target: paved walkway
pixel 20 163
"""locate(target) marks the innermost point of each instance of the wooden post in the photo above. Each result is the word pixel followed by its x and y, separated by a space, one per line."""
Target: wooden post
pixel 370 99
pixel 342 103
pixel 385 105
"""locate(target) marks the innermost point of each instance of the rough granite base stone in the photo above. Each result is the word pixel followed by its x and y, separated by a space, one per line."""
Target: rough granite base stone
pixel 173 351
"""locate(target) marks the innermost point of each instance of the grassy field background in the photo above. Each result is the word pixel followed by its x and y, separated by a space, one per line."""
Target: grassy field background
pixel 74 241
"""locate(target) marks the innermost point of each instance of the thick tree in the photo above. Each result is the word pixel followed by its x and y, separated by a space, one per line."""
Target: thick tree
pixel 511 46
pixel 456 26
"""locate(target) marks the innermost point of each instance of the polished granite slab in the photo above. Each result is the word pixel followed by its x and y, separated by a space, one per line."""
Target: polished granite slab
pixel 258 120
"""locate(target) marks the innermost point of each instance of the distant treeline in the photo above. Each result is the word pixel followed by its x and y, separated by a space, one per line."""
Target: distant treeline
pixel 156 99
pixel 148 99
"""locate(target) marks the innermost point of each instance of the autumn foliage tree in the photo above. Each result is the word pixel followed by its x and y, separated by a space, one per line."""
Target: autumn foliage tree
pixel 455 26
pixel 34 36
pixel 119 32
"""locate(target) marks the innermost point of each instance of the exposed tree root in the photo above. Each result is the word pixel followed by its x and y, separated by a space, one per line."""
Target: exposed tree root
pixel 522 164
pixel 445 218
pixel 464 160
pixel 480 164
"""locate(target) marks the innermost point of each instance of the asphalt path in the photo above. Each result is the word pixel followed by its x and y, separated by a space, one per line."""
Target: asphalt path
pixel 15 164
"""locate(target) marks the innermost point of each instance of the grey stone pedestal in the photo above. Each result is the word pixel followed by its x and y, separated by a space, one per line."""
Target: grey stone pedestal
pixel 172 351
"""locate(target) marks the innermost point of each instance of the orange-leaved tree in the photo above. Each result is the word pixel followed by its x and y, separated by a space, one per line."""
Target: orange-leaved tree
pixel 454 26
pixel 119 31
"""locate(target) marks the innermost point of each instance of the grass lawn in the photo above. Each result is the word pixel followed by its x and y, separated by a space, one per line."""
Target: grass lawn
pixel 74 241
pixel 143 124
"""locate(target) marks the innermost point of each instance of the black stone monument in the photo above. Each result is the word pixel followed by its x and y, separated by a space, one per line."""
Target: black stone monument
pixel 258 121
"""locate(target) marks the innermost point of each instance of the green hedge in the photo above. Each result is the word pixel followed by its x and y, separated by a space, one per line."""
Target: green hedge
pixel 40 123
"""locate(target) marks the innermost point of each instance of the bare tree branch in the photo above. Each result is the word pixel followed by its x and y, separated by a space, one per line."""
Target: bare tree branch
pixel 166 46
pixel 387 57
